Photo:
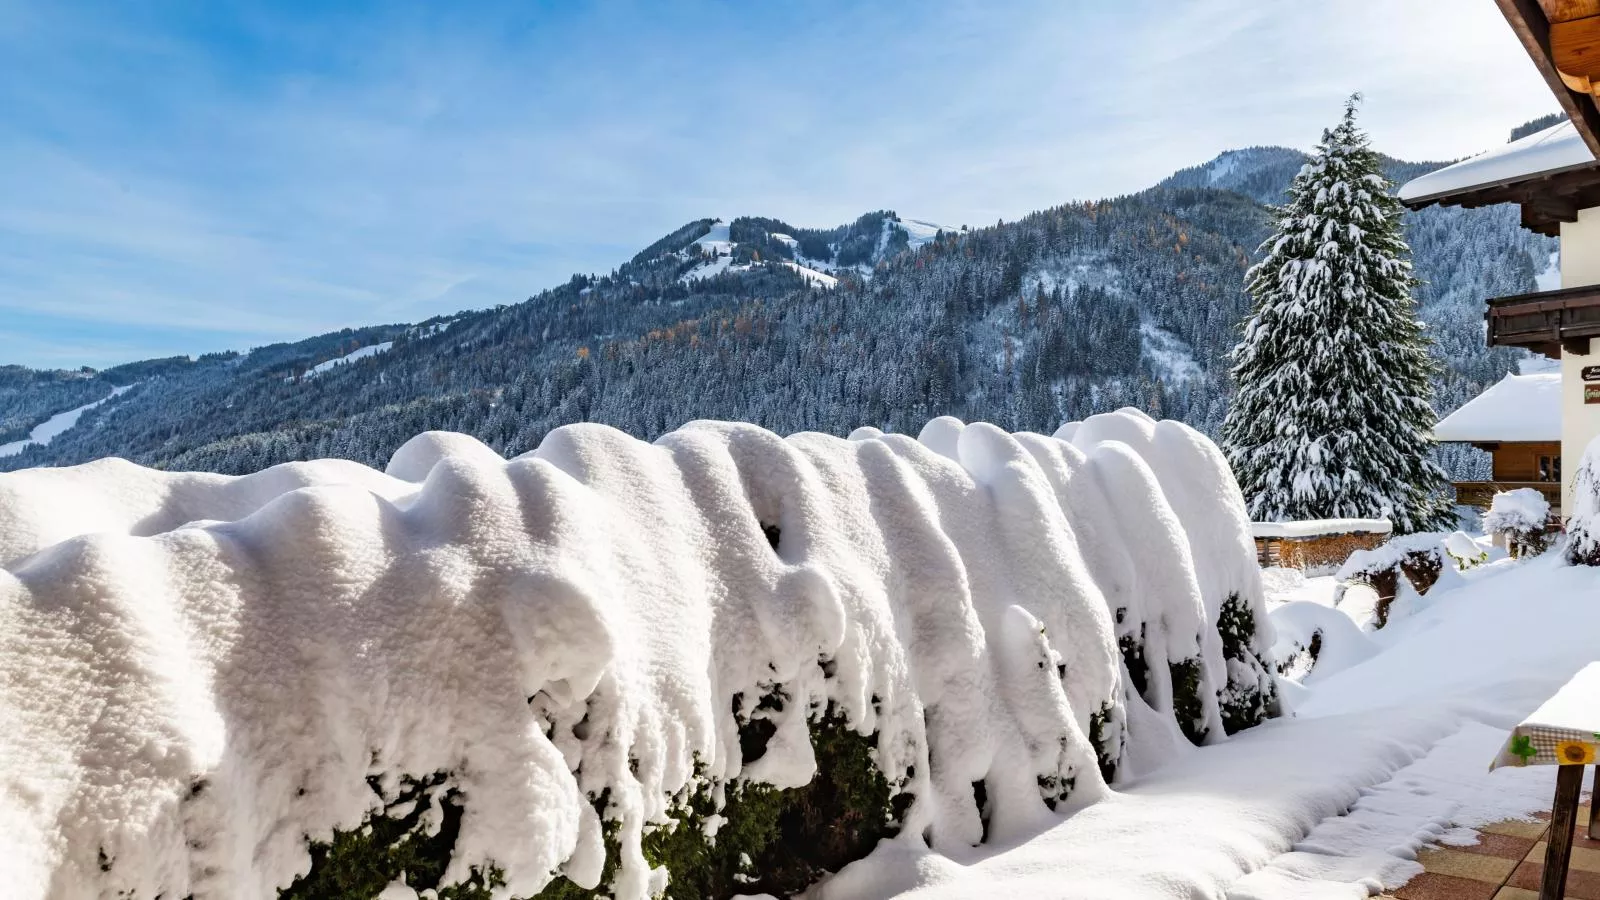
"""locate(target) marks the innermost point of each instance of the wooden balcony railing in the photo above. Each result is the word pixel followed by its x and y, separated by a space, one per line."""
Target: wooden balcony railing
pixel 1481 493
pixel 1546 322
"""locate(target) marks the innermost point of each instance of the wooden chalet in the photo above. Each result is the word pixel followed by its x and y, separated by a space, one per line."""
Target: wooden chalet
pixel 1518 422
pixel 1554 177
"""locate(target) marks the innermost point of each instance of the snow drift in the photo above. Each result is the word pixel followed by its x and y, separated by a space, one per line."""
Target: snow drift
pixel 606 662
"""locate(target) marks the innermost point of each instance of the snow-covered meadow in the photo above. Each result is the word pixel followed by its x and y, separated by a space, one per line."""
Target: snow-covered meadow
pixel 550 660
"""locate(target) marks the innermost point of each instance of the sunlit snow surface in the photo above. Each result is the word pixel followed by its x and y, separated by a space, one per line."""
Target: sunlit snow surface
pixel 1389 750
pixel 199 671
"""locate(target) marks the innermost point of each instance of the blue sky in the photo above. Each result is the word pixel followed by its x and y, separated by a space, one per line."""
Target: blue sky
pixel 185 177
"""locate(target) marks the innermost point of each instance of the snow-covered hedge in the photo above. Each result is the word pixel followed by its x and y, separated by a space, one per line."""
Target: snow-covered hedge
pixel 1521 516
pixel 729 659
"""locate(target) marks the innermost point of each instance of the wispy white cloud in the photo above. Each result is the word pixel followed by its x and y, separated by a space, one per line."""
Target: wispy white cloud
pixel 172 178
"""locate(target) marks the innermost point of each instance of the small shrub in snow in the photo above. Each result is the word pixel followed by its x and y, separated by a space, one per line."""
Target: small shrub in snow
pixel 1520 516
pixel 1583 529
pixel 1463 551
pixel 1244 701
pixel 1188 705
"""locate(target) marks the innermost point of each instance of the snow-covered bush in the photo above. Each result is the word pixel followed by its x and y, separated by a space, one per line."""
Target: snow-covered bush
pixel 1583 528
pixel 1417 559
pixel 1463 551
pixel 725 661
pixel 1520 516
pixel 1413 562
pixel 1318 639
pixel 1523 509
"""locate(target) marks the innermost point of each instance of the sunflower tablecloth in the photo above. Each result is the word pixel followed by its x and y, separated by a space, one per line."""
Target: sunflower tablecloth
pixel 1565 731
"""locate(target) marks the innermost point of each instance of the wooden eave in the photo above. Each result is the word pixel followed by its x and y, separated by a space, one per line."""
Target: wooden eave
pixel 1562 37
pixel 1532 21
pixel 1547 198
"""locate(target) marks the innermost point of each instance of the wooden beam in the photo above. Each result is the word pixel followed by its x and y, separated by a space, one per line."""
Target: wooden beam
pixel 1528 21
pixel 1537 223
pixel 1567 10
pixel 1575 50
pixel 1556 209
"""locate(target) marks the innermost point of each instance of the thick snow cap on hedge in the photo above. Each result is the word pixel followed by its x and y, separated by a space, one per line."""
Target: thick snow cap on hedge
pixel 200 672
pixel 1520 510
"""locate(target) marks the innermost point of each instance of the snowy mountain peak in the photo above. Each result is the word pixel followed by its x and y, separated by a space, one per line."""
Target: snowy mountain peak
pixel 712 247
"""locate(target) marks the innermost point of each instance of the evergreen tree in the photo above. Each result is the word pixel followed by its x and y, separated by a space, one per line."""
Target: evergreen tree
pixel 1332 415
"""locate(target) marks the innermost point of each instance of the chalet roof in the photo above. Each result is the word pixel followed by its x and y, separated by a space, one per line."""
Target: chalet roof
pixel 1548 174
pixel 1561 38
pixel 1518 408
pixel 1555 150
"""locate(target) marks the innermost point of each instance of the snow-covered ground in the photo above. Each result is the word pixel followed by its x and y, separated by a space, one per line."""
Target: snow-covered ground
pixel 1549 278
pixel 1389 749
pixel 919 232
pixel 1173 358
pixel 812 275
pixel 198 670
pixel 718 244
pixel 717 239
pixel 46 431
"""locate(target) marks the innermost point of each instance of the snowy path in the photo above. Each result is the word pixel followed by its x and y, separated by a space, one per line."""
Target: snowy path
pixel 1382 758
pixel 1438 798
pixel 1190 830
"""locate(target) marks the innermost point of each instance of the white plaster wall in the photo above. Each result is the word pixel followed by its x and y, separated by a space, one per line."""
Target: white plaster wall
pixel 1580 422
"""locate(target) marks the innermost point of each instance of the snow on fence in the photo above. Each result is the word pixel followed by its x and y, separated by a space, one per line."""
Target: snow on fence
pixel 726 657
pixel 1316 546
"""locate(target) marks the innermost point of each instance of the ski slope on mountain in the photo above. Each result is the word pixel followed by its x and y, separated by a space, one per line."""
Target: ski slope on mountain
pixel 352 356
pixel 46 431
pixel 197 672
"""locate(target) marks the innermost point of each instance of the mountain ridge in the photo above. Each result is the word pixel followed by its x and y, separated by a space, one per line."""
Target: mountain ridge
pixel 1062 313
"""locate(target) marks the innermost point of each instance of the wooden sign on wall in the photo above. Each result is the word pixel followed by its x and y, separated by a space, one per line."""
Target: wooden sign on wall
pixel 1591 393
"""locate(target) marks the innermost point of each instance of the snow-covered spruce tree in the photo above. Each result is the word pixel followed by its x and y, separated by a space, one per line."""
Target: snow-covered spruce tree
pixel 1331 418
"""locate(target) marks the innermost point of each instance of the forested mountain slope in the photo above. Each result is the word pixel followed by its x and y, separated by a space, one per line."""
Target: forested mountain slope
pixel 1067 312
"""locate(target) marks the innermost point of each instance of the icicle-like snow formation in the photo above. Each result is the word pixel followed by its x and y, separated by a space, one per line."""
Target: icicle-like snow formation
pixel 202 675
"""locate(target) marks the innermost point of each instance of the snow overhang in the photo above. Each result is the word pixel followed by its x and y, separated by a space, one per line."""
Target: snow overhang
pixel 1543 154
